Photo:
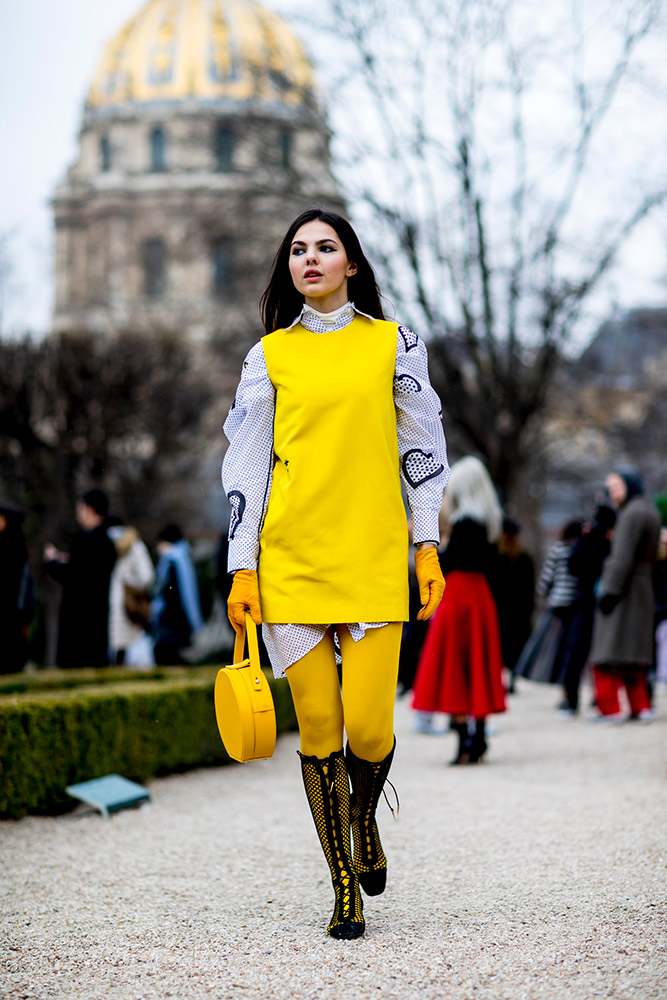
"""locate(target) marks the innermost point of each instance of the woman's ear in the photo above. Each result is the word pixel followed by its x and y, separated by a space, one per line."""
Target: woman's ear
pixel 351 269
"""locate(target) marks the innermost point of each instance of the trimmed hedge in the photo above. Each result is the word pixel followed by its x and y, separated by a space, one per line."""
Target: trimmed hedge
pixel 53 738
pixel 53 678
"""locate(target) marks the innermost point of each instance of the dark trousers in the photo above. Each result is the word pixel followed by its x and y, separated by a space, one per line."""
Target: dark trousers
pixel 580 637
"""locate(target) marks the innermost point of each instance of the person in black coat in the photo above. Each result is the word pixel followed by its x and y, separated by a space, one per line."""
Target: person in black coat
pixel 17 591
pixel 586 562
pixel 85 574
pixel 512 581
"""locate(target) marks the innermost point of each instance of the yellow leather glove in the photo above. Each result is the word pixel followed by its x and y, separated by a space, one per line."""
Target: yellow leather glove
pixel 244 596
pixel 431 581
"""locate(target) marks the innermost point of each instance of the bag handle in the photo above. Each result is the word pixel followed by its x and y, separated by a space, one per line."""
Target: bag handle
pixel 249 633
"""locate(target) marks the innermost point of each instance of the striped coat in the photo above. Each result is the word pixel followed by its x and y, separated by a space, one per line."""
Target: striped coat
pixel 556 583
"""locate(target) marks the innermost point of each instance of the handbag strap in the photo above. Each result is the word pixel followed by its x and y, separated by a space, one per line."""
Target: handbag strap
pixel 249 633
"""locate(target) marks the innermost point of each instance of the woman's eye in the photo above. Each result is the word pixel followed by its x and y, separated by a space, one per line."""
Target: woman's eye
pixel 297 251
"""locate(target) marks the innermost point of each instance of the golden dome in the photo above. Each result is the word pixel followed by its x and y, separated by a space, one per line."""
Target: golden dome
pixel 203 49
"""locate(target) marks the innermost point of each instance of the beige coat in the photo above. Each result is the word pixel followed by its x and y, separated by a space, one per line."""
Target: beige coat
pixel 625 637
pixel 133 566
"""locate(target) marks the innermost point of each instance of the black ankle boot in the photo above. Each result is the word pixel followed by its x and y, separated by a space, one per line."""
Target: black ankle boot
pixel 465 743
pixel 368 780
pixel 478 746
pixel 328 792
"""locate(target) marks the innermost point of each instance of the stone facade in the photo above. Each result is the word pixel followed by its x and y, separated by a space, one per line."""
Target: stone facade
pixel 185 183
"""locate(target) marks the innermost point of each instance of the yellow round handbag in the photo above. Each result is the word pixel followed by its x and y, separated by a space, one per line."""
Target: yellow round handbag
pixel 244 707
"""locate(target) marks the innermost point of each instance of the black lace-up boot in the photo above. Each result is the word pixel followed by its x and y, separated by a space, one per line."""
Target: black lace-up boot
pixel 328 792
pixel 368 780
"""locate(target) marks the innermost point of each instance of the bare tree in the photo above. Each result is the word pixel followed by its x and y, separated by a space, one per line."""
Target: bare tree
pixel 486 147
pixel 124 413
pixel 7 274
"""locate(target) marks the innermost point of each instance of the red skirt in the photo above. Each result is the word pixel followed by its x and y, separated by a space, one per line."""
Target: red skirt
pixel 461 665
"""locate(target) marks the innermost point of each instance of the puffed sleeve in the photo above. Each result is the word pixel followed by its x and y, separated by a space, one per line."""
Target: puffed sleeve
pixel 421 439
pixel 247 467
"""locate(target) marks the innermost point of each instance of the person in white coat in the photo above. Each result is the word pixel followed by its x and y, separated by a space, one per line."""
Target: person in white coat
pixel 134 569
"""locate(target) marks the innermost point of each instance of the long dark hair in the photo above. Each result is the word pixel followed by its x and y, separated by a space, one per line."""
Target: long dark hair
pixel 281 303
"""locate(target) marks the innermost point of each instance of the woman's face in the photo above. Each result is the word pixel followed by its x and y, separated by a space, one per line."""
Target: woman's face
pixel 617 489
pixel 319 266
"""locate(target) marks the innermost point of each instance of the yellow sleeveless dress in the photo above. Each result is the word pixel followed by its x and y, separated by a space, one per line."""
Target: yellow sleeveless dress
pixel 334 544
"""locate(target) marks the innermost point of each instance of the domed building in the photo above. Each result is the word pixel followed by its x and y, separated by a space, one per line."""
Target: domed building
pixel 201 140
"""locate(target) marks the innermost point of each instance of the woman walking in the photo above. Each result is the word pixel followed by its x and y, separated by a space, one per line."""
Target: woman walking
pixel 334 407
pixel 623 649
pixel 131 580
pixel 461 665
pixel 557 645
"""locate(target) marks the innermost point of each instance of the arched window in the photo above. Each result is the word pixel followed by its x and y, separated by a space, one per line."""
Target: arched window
pixel 223 258
pixel 105 153
pixel 154 254
pixel 285 145
pixel 158 149
pixel 224 148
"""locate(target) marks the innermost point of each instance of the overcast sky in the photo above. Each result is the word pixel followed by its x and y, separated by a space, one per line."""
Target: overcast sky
pixel 48 53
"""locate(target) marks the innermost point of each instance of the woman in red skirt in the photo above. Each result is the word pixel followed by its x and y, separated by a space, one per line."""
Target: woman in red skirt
pixel 461 664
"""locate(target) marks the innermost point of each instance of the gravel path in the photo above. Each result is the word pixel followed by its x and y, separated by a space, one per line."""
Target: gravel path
pixel 540 874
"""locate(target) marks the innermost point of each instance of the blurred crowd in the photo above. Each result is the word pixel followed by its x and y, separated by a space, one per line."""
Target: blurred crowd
pixel 117 605
pixel 599 604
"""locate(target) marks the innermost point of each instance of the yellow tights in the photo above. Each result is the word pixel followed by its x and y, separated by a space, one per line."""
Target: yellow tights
pixel 365 707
